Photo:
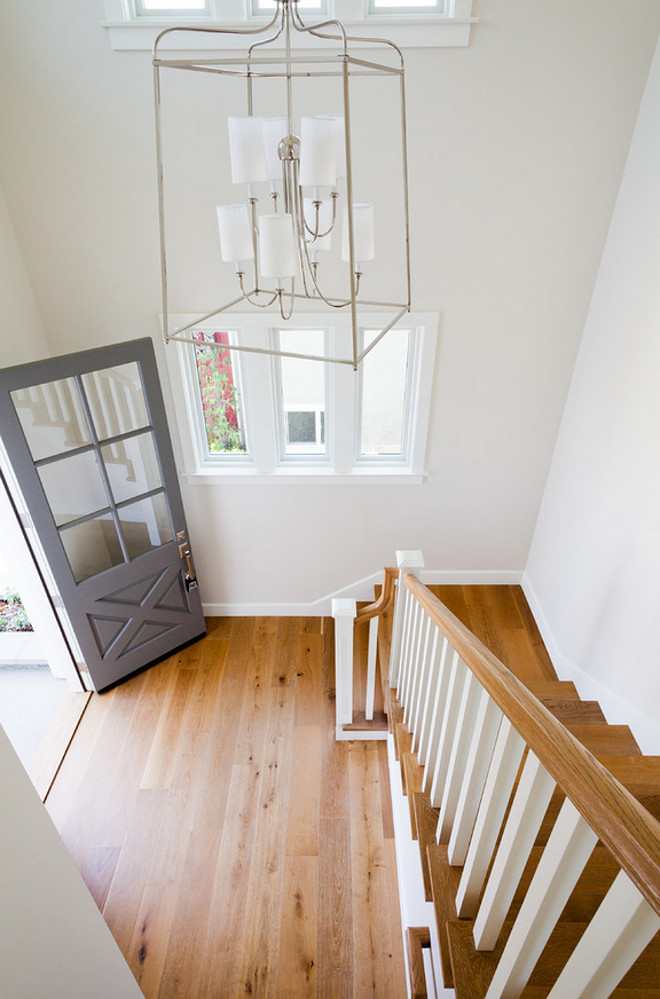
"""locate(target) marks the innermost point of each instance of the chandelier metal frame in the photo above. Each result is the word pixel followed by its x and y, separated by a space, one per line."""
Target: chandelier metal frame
pixel 286 63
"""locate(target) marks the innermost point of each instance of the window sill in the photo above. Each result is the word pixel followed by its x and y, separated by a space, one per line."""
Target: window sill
pixel 418 32
pixel 311 477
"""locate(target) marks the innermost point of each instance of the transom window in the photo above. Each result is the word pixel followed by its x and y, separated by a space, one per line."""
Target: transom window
pixel 173 8
pixel 255 417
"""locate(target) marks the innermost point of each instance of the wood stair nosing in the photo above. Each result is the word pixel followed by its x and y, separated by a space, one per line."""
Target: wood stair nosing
pixel 426 823
pixel 417 937
pixel 413 775
pixel 444 885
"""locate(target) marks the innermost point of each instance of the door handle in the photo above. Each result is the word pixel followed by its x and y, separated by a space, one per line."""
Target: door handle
pixel 185 553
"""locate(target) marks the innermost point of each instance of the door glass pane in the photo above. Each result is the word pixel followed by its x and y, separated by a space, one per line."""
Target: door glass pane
pixel 132 467
pixel 219 387
pixel 384 379
pixel 116 400
pixel 145 525
pixel 302 386
pixel 73 487
pixel 52 417
pixel 92 547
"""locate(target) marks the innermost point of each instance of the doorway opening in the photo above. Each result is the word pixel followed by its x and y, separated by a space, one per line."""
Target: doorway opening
pixel 41 696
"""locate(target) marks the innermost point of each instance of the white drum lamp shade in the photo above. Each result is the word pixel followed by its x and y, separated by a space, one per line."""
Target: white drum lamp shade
pixel 246 150
pixel 273 130
pixel 277 247
pixel 364 245
pixel 318 152
pixel 235 233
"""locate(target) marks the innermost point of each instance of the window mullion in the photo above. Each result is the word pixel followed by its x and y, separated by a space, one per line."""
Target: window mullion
pixel 343 406
pixel 261 427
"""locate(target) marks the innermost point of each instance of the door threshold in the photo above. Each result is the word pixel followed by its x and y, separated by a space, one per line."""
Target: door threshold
pixel 51 755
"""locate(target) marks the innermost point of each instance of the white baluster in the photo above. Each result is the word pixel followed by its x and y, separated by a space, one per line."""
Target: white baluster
pixel 486 728
pixel 409 608
pixel 343 612
pixel 448 661
pixel 618 933
pixel 568 850
pixel 504 766
pixel 467 715
pixel 438 644
pixel 530 802
pixel 449 716
pixel 371 669
pixel 423 663
pixel 407 562
pixel 416 623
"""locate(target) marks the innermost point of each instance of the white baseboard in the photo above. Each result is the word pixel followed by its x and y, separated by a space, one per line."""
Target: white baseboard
pixel 617 711
pixel 363 589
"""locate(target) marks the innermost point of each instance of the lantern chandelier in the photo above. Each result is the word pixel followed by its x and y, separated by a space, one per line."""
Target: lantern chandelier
pixel 297 178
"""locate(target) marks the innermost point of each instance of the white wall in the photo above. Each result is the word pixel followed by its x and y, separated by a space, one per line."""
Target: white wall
pixel 22 334
pixel 593 571
pixel 53 941
pixel 517 144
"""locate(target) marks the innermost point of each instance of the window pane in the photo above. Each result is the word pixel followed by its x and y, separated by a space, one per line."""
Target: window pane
pixel 217 375
pixel 302 392
pixel 173 6
pixel 268 6
pixel 92 547
pixel 52 417
pixel 384 377
pixel 116 400
pixel 145 525
pixel 396 6
pixel 73 487
pixel 131 466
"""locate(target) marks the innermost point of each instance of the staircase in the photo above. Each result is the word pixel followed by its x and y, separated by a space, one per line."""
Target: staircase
pixel 536 821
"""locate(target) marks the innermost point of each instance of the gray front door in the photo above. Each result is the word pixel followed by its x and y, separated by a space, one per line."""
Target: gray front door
pixel 87 439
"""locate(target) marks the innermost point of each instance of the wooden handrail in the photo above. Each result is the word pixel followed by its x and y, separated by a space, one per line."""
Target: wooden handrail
pixel 385 600
pixel 624 826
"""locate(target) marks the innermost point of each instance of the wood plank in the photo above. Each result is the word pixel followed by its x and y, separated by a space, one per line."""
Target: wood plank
pixel 334 970
pixel 299 936
pixel 151 936
pixel 309 679
pixel 98 871
pixel 302 833
pixel 377 943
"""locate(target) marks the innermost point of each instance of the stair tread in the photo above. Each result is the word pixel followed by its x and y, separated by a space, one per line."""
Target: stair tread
pixel 605 740
pixel 360 723
pixel 542 992
pixel 569 711
pixel 473 970
pixel 563 689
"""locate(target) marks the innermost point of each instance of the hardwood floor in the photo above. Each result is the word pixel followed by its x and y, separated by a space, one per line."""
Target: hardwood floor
pixel 233 846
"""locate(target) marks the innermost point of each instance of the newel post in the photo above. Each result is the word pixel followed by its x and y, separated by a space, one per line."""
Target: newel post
pixel 407 562
pixel 343 612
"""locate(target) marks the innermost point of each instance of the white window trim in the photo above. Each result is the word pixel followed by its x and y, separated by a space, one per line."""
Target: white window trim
pixel 414 30
pixel 264 465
